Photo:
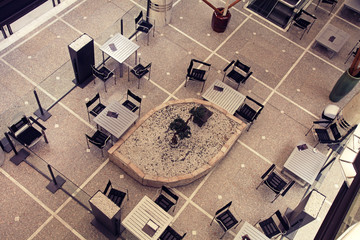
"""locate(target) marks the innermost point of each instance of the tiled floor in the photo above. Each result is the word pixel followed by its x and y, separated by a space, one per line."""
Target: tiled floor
pixel 292 79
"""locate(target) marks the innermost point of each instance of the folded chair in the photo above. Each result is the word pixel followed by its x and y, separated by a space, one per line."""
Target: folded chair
pixel 196 73
pixel 103 73
pixel 99 139
pixel 94 109
pixel 139 71
pixel 225 218
pixel 301 22
pixel 275 182
pixel 166 199
pixel 171 234
pixel 275 225
pixel 237 72
pixel 25 132
pixel 116 195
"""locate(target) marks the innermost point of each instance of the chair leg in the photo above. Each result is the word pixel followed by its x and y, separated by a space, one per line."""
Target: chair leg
pixel 138 83
pixel 223 235
pixel 317 5
pixel 308 131
pixel 105 86
pixel 203 87
pixel 148 38
pixel 185 82
pixel 212 220
pixel 277 195
pixel 303 34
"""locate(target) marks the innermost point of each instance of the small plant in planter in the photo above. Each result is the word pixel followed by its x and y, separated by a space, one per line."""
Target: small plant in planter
pixel 200 115
pixel 181 130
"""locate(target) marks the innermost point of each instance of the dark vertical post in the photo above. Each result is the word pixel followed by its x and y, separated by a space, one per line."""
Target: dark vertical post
pixel 53 1
pixel 38 102
pixel 52 174
pixel 147 10
pixel 122 27
pixel 11 144
pixel 41 113
pixel 19 156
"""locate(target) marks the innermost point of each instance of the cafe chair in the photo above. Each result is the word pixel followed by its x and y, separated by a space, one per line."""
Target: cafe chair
pixel 166 199
pixel 129 102
pixel 116 195
pixel 139 71
pixel 275 225
pixel 328 2
pixel 103 73
pixel 353 51
pixel 249 110
pixel 94 110
pixel 225 218
pixel 28 131
pixel 275 182
pixel 237 72
pixel 303 20
pixel 143 26
pixel 171 234
pixel 197 74
pixel 99 139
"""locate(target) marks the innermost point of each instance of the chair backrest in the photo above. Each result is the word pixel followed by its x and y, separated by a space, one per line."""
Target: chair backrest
pixel 108 185
pixel 91 102
pixel 139 17
pixel 24 121
pixel 335 131
pixel 268 171
pixel 227 206
pixel 147 66
pixel 190 67
pixel 275 182
pixel 242 66
pixel 171 194
pixel 283 222
pixel 97 73
pixel 131 94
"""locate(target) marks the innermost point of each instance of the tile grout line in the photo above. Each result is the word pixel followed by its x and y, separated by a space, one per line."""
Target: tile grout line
pixel 255 152
pixel 38 201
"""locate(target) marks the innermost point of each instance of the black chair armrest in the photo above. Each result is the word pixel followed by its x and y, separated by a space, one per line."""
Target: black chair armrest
pixel 227 67
pixel 204 63
pixel 37 123
pixel 324 121
pixel 309 14
pixel 251 99
pixel 268 171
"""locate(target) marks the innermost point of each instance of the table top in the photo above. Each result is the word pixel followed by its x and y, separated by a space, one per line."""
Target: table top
pixel 353 4
pixel 116 126
pixel 306 164
pixel 124 47
pixel 229 99
pixel 251 231
pixel 144 211
pixel 332 37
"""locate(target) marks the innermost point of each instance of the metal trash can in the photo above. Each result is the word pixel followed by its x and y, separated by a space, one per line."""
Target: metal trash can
pixel 160 11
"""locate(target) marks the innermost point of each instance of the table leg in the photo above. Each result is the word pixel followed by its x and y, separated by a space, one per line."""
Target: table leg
pixel 331 53
pixel 103 58
pixel 121 69
pixel 135 57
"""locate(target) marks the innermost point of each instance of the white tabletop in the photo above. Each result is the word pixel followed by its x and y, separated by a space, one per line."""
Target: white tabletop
pixel 116 126
pixel 229 99
pixel 252 232
pixel 144 211
pixel 306 164
pixel 124 47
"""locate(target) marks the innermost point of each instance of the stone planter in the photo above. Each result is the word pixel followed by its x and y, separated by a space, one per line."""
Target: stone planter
pixel 343 86
pixel 220 22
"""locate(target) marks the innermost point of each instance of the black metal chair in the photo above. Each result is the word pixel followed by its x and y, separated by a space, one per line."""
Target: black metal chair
pixel 166 199
pixel 329 2
pixel 197 74
pixel 353 51
pixel 238 73
pixel 103 73
pixel 130 104
pixel 143 26
pixel 24 131
pixel 98 107
pixel 329 135
pixel 139 71
pixel 99 139
pixel 116 195
pixel 249 111
pixel 302 23
pixel 275 182
pixel 225 218
pixel 274 227
pixel 171 234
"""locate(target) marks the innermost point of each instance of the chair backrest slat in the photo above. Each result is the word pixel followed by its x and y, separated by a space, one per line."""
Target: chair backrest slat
pixel 223 208
pixel 165 189
pixel 107 187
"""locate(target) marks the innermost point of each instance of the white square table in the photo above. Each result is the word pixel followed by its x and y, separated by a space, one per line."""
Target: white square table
pixel 229 99
pixel 331 38
pixel 144 211
pixel 116 126
pixel 305 164
pixel 252 232
pixel 124 48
